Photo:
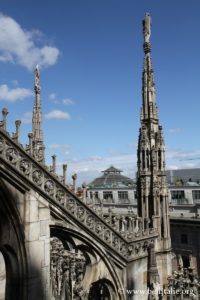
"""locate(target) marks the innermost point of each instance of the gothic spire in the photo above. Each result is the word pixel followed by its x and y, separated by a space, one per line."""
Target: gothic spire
pixel 151 178
pixel 38 145
pixel 149 108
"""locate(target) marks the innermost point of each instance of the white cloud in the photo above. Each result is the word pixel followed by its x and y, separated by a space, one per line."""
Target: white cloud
pixel 172 167
pixel 182 154
pixel 15 94
pixel 58 146
pixel 57 114
pixel 27 118
pixel 174 130
pixel 20 46
pixel 89 168
pixel 67 101
pixel 53 97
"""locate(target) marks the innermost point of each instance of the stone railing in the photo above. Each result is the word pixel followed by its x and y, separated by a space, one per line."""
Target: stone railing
pixel 19 161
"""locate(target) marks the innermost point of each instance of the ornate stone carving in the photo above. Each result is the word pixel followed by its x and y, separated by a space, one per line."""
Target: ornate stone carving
pixel 2 142
pixel 90 221
pixel 99 228
pixel 12 155
pixel 37 177
pixel 67 272
pixel 25 166
pixel 49 186
pixel 115 242
pixel 60 195
pixel 80 213
pixel 71 205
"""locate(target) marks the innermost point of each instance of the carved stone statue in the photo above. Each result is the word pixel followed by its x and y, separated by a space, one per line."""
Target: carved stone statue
pixel 147 27
pixel 37 77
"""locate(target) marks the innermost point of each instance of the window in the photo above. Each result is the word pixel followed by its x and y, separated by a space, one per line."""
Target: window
pixel 108 196
pixel 135 194
pixel 178 197
pixel 184 239
pixel 123 196
pixel 196 194
pixel 178 194
pixel 96 195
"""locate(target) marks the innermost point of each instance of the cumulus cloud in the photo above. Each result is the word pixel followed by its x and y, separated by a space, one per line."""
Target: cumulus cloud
pixel 20 46
pixel 15 94
pixel 57 114
pixel 27 118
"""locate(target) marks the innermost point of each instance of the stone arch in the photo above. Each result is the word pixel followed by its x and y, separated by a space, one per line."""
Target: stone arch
pixel 94 255
pixel 12 246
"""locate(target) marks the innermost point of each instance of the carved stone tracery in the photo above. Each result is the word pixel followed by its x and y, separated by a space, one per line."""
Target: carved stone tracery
pixel 67 272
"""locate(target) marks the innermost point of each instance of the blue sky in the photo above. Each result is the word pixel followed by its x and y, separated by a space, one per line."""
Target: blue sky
pixel 90 54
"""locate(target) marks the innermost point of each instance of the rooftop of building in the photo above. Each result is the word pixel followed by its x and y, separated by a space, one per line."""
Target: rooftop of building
pixel 112 178
pixel 189 177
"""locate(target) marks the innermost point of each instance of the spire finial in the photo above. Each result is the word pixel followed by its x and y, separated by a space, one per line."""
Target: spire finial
pixel 16 135
pixel 38 146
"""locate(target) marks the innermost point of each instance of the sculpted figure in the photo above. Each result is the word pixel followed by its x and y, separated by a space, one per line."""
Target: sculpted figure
pixel 147 27
pixel 37 77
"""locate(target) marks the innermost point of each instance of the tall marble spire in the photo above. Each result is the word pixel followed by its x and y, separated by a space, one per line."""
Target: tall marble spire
pixel 149 108
pixel 38 145
pixel 151 179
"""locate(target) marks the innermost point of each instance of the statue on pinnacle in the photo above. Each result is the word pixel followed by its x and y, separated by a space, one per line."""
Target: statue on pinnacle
pixel 147 27
pixel 37 78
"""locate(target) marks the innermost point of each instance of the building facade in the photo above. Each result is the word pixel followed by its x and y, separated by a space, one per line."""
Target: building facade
pixel 184 190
